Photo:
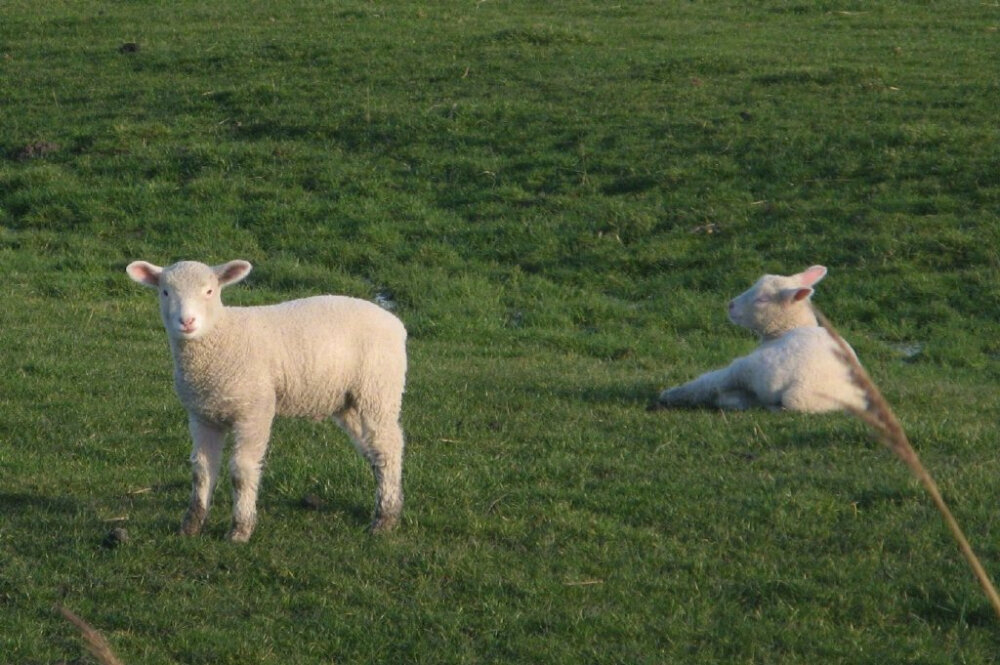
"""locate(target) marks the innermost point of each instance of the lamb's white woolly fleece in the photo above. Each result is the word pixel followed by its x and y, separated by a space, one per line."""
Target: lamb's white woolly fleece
pixel 796 365
pixel 235 368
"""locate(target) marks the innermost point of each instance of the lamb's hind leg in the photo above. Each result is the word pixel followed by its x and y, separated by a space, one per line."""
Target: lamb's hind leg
pixel 381 444
pixel 206 456
pixel 387 466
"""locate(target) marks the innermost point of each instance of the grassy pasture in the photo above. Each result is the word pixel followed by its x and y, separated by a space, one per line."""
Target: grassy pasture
pixel 558 198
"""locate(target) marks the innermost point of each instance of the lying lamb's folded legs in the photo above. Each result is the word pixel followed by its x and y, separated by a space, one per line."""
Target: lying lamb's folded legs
pixel 706 390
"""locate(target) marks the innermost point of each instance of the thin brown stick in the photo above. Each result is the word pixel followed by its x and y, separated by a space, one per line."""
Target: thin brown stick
pixel 881 418
pixel 93 640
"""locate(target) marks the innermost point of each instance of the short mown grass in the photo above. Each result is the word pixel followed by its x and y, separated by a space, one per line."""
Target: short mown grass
pixel 558 199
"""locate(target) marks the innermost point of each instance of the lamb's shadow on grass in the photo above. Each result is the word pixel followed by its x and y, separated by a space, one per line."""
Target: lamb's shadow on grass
pixel 818 438
pixel 48 519
pixel 640 396
pixel 351 513
pixel 16 505
pixel 939 607
pixel 875 497
pixel 161 507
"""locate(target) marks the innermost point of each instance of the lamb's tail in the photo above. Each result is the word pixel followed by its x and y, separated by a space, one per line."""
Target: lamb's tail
pixel 95 642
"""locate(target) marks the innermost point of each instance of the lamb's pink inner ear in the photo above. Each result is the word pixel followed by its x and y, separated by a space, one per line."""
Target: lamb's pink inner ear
pixel 144 273
pixel 811 275
pixel 232 272
pixel 801 294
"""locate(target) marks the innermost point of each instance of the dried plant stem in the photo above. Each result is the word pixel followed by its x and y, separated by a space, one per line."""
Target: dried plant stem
pixel 95 642
pixel 880 417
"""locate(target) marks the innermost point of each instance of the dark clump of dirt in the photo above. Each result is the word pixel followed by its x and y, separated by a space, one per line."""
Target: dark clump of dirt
pixel 312 502
pixel 128 47
pixel 116 537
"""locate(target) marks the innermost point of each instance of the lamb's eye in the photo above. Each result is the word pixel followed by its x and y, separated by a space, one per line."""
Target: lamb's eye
pixel 209 292
pixel 163 292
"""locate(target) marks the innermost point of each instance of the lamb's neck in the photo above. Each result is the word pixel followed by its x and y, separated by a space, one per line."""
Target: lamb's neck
pixel 221 346
pixel 802 317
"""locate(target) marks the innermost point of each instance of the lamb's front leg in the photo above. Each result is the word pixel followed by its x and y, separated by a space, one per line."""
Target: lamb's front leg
pixel 250 444
pixel 706 390
pixel 206 456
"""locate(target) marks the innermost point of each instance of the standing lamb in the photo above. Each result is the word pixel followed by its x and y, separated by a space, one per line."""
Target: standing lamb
pixel 795 367
pixel 235 368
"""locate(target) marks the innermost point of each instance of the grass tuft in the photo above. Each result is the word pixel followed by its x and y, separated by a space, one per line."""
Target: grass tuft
pixel 93 640
pixel 879 415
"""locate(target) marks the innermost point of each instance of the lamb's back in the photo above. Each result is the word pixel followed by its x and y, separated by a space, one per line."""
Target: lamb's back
pixel 319 350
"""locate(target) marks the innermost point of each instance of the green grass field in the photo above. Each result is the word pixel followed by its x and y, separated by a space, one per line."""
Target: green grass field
pixel 559 198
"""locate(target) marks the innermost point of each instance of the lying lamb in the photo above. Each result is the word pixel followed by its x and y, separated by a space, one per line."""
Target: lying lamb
pixel 235 368
pixel 796 365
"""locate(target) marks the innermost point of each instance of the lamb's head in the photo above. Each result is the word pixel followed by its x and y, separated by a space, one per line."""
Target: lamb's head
pixel 190 293
pixel 777 303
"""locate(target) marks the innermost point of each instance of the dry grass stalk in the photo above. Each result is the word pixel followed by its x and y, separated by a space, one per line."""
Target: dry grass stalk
pixel 881 418
pixel 95 642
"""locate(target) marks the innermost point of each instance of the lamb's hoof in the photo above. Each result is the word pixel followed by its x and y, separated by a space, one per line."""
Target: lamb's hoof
pixel 191 524
pixel 189 529
pixel 384 524
pixel 239 534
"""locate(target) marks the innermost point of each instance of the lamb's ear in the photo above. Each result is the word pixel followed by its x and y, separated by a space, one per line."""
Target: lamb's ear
pixel 792 296
pixel 232 272
pixel 801 294
pixel 811 275
pixel 144 273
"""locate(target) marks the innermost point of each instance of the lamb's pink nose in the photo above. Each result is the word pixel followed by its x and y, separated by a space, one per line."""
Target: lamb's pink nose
pixel 187 323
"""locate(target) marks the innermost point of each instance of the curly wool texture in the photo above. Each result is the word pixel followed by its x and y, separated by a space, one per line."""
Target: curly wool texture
pixel 235 368
pixel 310 356
pixel 795 367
